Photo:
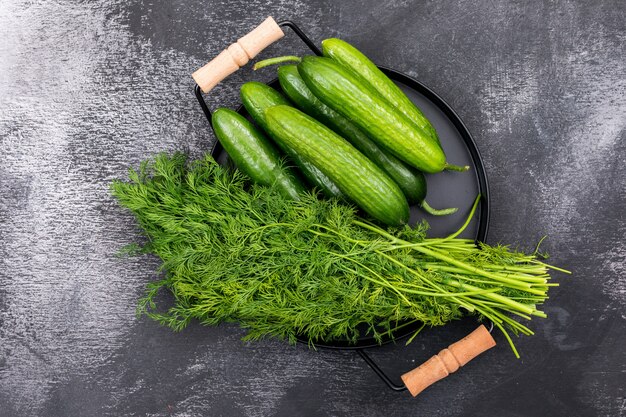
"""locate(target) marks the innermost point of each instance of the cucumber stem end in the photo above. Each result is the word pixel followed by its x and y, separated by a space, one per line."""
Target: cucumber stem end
pixel 457 168
pixel 275 61
pixel 437 212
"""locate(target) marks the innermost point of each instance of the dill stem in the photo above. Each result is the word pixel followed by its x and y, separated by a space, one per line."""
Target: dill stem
pixel 508 338
pixel 480 281
pixel 497 320
pixel 470 268
pixel 515 326
pixel 407 323
pixel 435 267
pixel 445 258
pixel 474 290
pixel 423 278
pixel 467 221
pixel 556 268
pixel 418 331
pixel 524 269
pixel 501 307
pixel 380 231
pixel 497 297
pixel 450 248
pixel 451 243
pixel 465 268
pixel 478 291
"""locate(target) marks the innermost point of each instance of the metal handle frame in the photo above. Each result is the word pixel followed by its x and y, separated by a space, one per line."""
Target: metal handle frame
pixel 283 23
pixel 382 375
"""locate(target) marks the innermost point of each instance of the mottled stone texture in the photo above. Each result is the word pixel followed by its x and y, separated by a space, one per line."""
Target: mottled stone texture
pixel 88 89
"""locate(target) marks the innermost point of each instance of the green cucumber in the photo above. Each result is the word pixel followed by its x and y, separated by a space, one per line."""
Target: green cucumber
pixel 258 97
pixel 411 182
pixel 350 57
pixel 341 90
pixel 253 153
pixel 355 175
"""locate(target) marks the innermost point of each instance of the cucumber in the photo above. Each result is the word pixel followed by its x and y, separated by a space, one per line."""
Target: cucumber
pixel 411 182
pixel 253 153
pixel 353 59
pixel 258 97
pixel 341 90
pixel 355 175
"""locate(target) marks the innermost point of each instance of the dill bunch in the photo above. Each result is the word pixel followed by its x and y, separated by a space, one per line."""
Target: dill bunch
pixel 233 251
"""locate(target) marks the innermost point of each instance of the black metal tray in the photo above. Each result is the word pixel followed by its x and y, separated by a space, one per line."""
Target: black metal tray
pixel 446 189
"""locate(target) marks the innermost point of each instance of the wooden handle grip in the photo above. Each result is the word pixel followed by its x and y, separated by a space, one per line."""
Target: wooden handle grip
pixel 238 54
pixel 448 360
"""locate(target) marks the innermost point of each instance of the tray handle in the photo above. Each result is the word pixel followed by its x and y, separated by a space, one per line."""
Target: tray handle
pixel 449 360
pixel 238 54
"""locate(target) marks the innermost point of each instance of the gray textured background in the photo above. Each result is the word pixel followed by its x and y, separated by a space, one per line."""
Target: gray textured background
pixel 88 89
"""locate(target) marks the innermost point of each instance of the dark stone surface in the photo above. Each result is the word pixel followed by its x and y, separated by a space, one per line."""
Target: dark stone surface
pixel 88 89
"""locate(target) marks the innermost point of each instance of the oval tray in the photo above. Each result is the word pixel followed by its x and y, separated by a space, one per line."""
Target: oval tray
pixel 446 189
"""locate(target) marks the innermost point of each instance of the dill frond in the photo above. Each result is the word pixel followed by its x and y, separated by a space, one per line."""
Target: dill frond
pixel 233 251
